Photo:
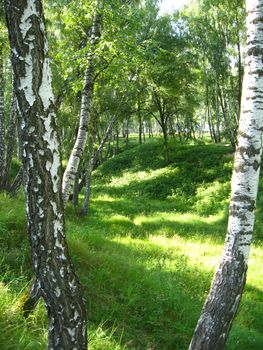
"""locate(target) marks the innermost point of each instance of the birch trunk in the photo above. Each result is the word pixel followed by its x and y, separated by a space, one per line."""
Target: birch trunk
pixel 87 92
pixel 218 136
pixel 224 297
pixel 59 285
pixel 229 127
pixel 2 117
pixel 10 143
pixel 91 163
pixel 240 69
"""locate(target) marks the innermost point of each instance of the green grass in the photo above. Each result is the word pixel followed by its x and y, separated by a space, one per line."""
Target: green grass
pixel 145 254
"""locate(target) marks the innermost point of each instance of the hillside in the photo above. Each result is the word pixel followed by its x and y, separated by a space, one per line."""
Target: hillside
pixel 145 254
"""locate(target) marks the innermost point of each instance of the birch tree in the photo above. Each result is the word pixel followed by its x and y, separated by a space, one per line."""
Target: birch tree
pixel 2 112
pixel 224 297
pixel 55 276
pixel 92 159
pixel 86 97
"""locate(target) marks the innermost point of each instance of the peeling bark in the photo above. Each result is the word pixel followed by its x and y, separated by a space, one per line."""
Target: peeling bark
pixel 86 98
pixel 224 297
pixel 60 287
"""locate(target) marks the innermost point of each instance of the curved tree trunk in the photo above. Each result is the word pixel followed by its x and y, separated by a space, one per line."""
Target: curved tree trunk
pixel 224 297
pixel 51 263
pixel 87 92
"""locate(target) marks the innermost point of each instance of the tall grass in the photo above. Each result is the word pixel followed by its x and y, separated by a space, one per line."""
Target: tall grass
pixel 145 254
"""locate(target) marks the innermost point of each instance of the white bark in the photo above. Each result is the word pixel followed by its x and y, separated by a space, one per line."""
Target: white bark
pixel 55 275
pixel 224 297
pixel 2 116
pixel 87 92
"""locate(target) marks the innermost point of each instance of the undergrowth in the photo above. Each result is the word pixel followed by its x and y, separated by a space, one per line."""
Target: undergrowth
pixel 145 254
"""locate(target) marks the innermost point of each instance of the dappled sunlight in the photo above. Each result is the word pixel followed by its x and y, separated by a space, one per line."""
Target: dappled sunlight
pixel 146 264
pixel 199 255
pixel 105 198
pixel 129 178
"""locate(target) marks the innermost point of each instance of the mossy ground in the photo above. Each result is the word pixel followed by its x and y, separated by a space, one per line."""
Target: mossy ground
pixel 145 254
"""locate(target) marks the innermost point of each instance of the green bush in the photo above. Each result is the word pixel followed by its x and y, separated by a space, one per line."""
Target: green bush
pixel 212 198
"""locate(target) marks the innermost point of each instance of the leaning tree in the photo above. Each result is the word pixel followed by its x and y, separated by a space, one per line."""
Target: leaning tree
pixel 224 297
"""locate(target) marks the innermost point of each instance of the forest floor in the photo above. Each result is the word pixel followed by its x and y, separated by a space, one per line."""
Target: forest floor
pixel 145 254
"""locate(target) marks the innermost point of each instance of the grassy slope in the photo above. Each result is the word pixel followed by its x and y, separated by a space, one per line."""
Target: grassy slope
pixel 145 254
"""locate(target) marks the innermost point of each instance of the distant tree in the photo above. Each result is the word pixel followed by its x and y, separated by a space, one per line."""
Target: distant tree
pixel 10 143
pixel 2 109
pixel 224 297
pixel 55 276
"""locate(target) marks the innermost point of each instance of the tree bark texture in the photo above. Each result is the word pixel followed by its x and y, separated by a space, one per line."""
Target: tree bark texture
pixel 87 92
pixel 2 117
pixel 51 263
pixel 224 297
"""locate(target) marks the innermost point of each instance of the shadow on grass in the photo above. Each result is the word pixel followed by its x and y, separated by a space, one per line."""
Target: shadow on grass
pixel 153 294
pixel 141 218
pixel 150 156
pixel 137 288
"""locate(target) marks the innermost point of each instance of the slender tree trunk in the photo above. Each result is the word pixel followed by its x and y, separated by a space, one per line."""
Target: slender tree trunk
pixel 51 263
pixel 92 136
pixel 17 183
pixel 209 117
pixel 240 69
pixel 149 129
pixel 163 125
pixel 233 126
pixel 117 140
pixel 211 124
pixel 10 143
pixel 139 118
pixel 224 297
pixel 2 118
pixel 86 98
pixel 218 136
pixel 127 133
pixel 75 199
pixel 228 126
pixel 91 163
pixel 19 137
pixel 97 154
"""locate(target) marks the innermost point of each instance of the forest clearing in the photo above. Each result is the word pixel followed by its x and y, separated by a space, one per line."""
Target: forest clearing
pixel 130 175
